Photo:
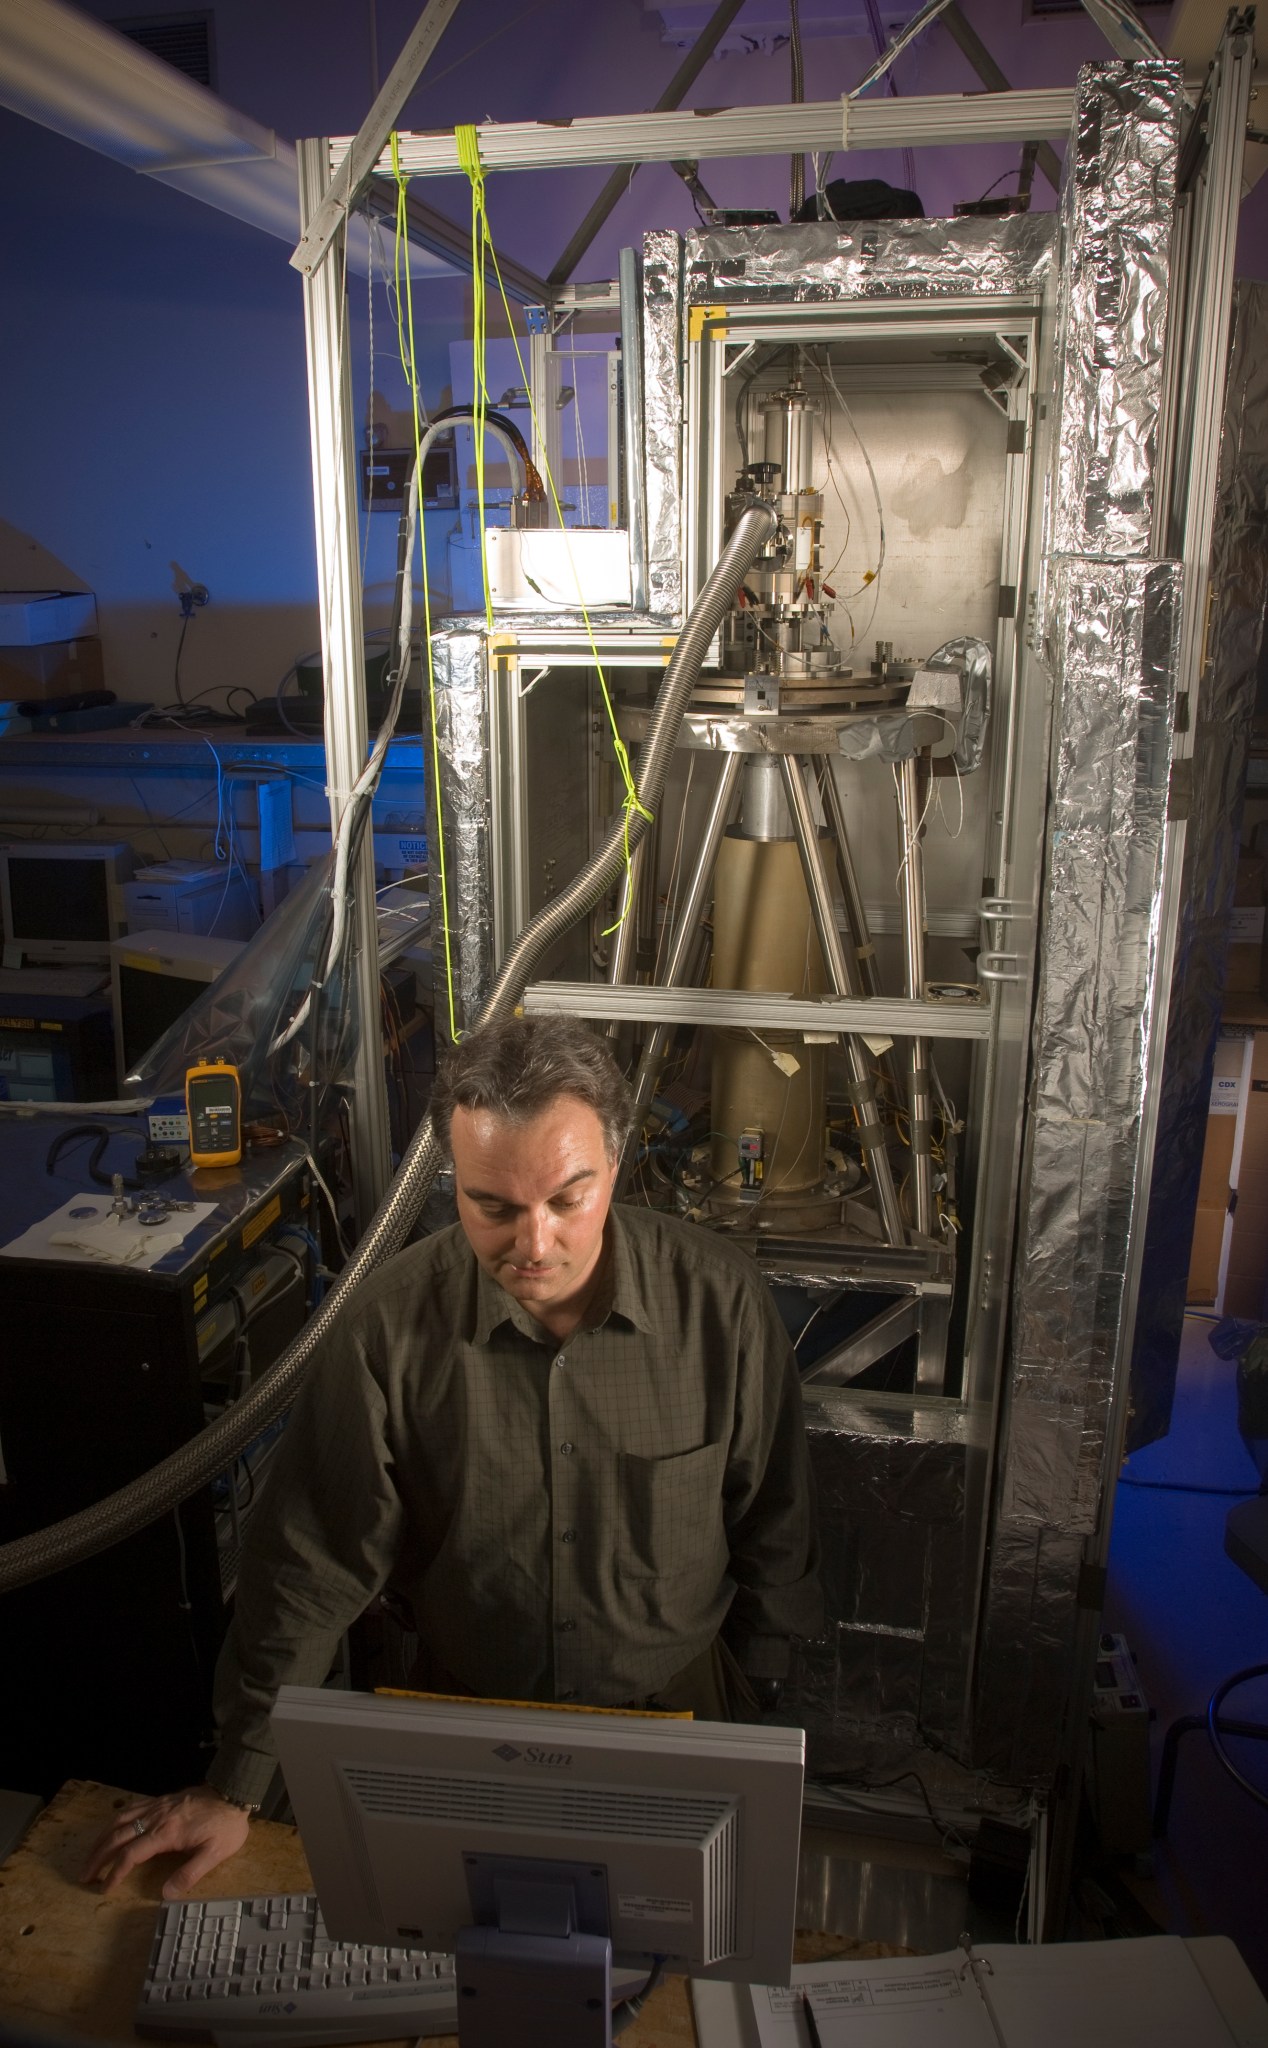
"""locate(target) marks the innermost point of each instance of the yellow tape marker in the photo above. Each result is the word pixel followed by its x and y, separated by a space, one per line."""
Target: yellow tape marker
pixel 698 316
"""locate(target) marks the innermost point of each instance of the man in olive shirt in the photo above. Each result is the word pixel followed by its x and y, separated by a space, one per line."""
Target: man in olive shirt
pixel 570 1435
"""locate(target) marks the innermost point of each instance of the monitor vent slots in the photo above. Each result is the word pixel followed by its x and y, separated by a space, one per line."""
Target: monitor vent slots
pixel 575 1808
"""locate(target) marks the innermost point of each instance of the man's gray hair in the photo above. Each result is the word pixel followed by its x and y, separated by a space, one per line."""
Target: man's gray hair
pixel 518 1066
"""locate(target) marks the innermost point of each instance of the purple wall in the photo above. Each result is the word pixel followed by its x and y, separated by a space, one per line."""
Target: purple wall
pixel 153 408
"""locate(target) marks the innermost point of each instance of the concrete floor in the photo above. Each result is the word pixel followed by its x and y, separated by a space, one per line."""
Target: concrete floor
pixel 1191 1617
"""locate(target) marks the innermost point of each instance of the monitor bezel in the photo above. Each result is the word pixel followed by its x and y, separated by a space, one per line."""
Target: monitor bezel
pixel 118 860
pixel 320 1733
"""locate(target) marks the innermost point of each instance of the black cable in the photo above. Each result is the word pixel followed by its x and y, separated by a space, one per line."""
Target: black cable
pixel 75 1135
pixel 1185 1486
pixel 535 487
pixel 176 673
pixel 945 1832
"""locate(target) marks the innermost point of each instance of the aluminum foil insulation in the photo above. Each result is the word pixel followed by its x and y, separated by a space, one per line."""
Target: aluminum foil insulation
pixel 662 418
pixel 826 261
pixel 898 1579
pixel 1116 225
pixel 1221 728
pixel 1117 628
pixel 464 777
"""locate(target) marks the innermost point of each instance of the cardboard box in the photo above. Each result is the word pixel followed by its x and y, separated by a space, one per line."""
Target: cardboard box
pixel 35 618
pixel 1246 927
pixel 1246 1252
pixel 1215 1186
pixel 31 674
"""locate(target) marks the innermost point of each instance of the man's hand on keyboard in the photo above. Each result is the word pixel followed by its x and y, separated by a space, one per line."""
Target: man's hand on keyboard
pixel 198 1820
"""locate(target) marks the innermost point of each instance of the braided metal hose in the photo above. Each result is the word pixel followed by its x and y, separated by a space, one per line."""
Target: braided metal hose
pixel 214 1449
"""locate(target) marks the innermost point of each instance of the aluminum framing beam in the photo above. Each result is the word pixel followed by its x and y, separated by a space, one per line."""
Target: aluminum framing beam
pixel 759 1010
pixel 357 164
pixel 934 119
pixel 875 1340
pixel 343 662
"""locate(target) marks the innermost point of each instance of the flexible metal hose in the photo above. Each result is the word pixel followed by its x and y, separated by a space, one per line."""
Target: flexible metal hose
pixel 214 1449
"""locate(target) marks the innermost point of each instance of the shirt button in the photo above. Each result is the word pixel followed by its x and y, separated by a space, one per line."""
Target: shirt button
pixel 566 1627
pixel 566 1450
pixel 569 1536
pixel 560 1359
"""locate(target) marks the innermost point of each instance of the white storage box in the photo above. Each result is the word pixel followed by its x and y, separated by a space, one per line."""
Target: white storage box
pixel 34 618
pixel 557 568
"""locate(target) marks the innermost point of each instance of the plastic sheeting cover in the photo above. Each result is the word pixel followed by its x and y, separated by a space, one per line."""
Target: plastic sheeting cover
pixel 239 1015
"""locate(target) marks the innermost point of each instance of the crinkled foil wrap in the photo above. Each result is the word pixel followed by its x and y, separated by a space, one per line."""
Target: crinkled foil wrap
pixel 1116 224
pixel 1024 1659
pixel 1118 627
pixel 662 419
pixel 1225 706
pixel 891 1476
pixel 1117 645
pixel 824 261
pixel 465 818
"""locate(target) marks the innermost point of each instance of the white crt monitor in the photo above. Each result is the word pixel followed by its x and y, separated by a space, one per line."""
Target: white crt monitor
pixel 62 900
pixel 685 1833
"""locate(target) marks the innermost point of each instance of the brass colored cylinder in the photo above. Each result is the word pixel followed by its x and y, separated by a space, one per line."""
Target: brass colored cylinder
pixel 763 938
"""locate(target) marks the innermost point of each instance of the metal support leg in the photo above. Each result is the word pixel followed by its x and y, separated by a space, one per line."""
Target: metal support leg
pixel 913 907
pixel 343 652
pixel 855 910
pixel 621 961
pixel 844 983
pixel 682 947
pixel 834 812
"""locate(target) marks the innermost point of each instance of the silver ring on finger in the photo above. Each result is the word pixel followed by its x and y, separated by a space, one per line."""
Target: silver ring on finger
pixel 138 1826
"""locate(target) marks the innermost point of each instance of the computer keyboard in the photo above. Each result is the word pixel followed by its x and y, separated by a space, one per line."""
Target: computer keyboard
pixel 248 1972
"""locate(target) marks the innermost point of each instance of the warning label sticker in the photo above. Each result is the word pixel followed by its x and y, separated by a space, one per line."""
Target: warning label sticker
pixel 654 1906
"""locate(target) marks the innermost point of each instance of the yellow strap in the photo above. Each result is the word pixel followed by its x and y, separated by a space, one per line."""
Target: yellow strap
pixel 468 144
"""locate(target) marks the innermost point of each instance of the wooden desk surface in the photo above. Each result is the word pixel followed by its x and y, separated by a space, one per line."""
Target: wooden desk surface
pixel 70 1955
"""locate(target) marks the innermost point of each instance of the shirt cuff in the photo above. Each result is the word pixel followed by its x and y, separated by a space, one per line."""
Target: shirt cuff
pixel 244 1779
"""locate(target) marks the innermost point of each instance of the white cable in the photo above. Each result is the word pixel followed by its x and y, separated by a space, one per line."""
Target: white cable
pixel 319 1177
pixel 364 786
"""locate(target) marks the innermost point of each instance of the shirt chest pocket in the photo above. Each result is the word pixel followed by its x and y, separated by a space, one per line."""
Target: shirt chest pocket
pixel 670 1513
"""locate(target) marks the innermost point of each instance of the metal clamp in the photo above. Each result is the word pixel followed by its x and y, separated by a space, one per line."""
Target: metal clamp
pixel 998 961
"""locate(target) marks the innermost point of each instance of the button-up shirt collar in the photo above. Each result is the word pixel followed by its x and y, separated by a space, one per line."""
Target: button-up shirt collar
pixel 618 1294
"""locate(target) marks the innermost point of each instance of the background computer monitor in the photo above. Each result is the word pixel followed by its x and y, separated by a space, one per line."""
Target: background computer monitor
pixel 62 900
pixel 154 978
pixel 690 1829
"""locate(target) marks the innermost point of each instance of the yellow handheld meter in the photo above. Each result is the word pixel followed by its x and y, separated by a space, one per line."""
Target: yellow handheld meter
pixel 213 1104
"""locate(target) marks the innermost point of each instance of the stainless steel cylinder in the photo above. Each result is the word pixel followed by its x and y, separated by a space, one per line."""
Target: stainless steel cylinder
pixel 788 423
pixel 764 812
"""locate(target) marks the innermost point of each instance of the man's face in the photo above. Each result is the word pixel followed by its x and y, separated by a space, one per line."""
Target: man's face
pixel 533 1199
